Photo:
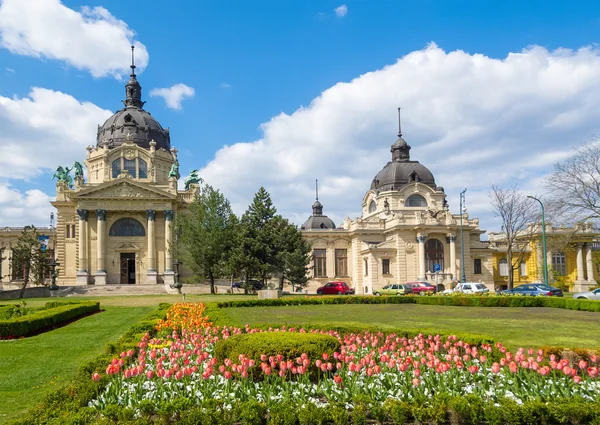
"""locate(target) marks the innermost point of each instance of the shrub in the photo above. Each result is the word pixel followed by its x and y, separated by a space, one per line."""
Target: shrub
pixel 290 345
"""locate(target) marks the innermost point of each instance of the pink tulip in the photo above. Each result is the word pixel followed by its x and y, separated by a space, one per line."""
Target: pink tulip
pixel 96 377
pixel 496 367
pixel 150 374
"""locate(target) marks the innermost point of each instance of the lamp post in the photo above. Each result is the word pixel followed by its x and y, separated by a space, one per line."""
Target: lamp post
pixel 543 239
pixel 463 209
pixel 53 264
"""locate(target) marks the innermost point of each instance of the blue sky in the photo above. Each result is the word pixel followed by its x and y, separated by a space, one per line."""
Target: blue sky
pixel 250 61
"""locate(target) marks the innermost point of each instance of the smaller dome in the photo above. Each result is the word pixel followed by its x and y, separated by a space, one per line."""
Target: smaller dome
pixel 318 222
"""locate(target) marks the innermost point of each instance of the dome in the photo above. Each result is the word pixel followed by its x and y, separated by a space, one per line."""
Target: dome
pixel 133 122
pixel 401 171
pixel 317 220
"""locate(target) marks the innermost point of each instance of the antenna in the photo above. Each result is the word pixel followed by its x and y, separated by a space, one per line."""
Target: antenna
pixel 317 188
pixel 399 124
pixel 132 62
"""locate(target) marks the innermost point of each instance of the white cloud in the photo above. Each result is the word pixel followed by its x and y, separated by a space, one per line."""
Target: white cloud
pixel 19 208
pixel 46 129
pixel 225 86
pixel 92 40
pixel 174 95
pixel 471 119
pixel 341 11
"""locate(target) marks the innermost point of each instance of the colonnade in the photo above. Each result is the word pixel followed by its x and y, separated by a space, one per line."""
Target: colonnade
pixel 588 267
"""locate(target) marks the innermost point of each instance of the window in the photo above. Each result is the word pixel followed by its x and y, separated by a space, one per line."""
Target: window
pixel 127 227
pixel 366 267
pixel 320 260
pixel 129 165
pixel 116 168
pixel 434 255
pixel 341 262
pixel 559 263
pixel 143 168
pixel 477 266
pixel 385 266
pixel 523 268
pixel 372 206
pixel 415 201
pixel 70 231
pixel 503 267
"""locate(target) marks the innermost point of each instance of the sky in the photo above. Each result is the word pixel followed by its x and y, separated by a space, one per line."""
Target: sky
pixel 280 93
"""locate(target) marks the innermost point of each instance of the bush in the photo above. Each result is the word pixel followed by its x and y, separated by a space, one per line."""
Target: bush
pixel 290 345
pixel 26 325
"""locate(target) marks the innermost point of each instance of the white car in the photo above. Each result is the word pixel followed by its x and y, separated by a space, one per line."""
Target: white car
pixel 592 295
pixel 468 288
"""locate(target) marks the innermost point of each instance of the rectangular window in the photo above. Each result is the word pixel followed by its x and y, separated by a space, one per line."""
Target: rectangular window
pixel 341 262
pixel 73 231
pixel 366 267
pixel 477 266
pixel 385 266
pixel 503 267
pixel 523 268
pixel 68 231
pixel 320 260
pixel 129 165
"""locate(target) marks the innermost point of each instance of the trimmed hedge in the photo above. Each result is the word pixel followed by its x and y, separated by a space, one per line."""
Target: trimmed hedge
pixel 69 404
pixel 25 325
pixel 290 345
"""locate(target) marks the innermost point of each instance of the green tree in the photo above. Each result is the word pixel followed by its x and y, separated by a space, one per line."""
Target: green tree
pixel 293 253
pixel 207 233
pixel 29 259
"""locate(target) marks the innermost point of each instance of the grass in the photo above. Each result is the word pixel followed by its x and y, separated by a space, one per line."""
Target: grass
pixel 514 327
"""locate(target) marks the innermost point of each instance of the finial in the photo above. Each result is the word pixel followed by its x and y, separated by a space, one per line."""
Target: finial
pixel 132 62
pixel 317 188
pixel 399 124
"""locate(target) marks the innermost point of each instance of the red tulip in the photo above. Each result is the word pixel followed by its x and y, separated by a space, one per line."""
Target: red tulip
pixel 96 376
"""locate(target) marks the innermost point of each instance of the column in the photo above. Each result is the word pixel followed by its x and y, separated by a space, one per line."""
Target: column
pixel 452 241
pixel 82 273
pixel 580 269
pixel 169 276
pixel 100 277
pixel 589 263
pixel 421 241
pixel 152 275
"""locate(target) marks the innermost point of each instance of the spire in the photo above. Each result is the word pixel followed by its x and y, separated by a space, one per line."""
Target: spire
pixel 317 206
pixel 133 90
pixel 317 188
pixel 400 150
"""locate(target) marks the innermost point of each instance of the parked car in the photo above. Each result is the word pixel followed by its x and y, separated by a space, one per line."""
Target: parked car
pixel 421 288
pixel 250 284
pixel 591 295
pixel 468 288
pixel 335 288
pixel 394 289
pixel 534 289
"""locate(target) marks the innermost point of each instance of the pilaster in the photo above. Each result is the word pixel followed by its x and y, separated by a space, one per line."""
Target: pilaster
pixel 152 276
pixel 82 272
pixel 100 276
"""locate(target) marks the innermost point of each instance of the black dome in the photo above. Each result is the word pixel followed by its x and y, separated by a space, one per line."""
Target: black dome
pixel 318 222
pixel 139 124
pixel 401 171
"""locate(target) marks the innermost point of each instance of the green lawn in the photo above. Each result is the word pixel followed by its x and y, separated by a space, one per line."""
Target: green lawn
pixel 514 327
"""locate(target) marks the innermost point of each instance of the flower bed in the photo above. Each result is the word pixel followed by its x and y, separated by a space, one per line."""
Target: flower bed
pixel 380 368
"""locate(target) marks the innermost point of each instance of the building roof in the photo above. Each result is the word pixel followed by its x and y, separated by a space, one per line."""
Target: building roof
pixel 317 220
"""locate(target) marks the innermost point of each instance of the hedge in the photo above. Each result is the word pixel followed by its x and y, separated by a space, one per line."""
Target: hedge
pixel 68 405
pixel 28 324
pixel 463 301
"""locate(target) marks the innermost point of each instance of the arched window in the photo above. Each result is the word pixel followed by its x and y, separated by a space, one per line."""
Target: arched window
pixel 434 254
pixel 116 168
pixel 143 168
pixel 503 267
pixel 127 227
pixel 372 206
pixel 415 201
pixel 129 165
pixel 559 263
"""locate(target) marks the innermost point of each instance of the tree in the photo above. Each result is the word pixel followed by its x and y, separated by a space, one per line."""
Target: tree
pixel 293 253
pixel 518 215
pixel 207 233
pixel 575 184
pixel 29 257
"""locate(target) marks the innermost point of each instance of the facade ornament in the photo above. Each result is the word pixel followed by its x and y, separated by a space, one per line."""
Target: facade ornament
pixel 421 238
pixel 192 179
pixel 175 171
pixel 151 215
pixel 62 175
pixel 169 215
pixel 451 238
pixel 83 214
pixel 101 214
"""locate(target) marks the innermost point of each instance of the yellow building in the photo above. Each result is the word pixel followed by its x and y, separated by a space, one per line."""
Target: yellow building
pixel 572 257
pixel 8 235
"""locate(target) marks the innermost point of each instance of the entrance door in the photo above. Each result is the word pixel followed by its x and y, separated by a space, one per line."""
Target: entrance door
pixel 127 268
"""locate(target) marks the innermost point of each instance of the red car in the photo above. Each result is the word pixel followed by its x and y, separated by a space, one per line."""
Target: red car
pixel 336 288
pixel 421 288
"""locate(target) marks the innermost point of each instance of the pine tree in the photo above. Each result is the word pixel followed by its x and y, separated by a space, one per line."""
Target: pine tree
pixel 207 233
pixel 29 256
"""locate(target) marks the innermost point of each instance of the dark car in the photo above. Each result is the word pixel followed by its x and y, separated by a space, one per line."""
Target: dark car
pixel 335 288
pixel 534 289
pixel 421 288
pixel 250 284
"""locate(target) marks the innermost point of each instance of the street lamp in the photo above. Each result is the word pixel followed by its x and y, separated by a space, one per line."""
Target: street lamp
pixel 463 209
pixel 543 239
pixel 53 264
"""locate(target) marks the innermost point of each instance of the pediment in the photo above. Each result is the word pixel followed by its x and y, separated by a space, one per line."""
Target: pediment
pixel 124 189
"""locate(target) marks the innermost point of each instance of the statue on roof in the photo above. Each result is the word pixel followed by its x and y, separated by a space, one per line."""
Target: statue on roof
pixel 192 179
pixel 62 175
pixel 78 170
pixel 174 171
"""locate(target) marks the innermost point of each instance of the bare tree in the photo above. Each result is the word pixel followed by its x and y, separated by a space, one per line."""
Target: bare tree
pixel 518 215
pixel 574 185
